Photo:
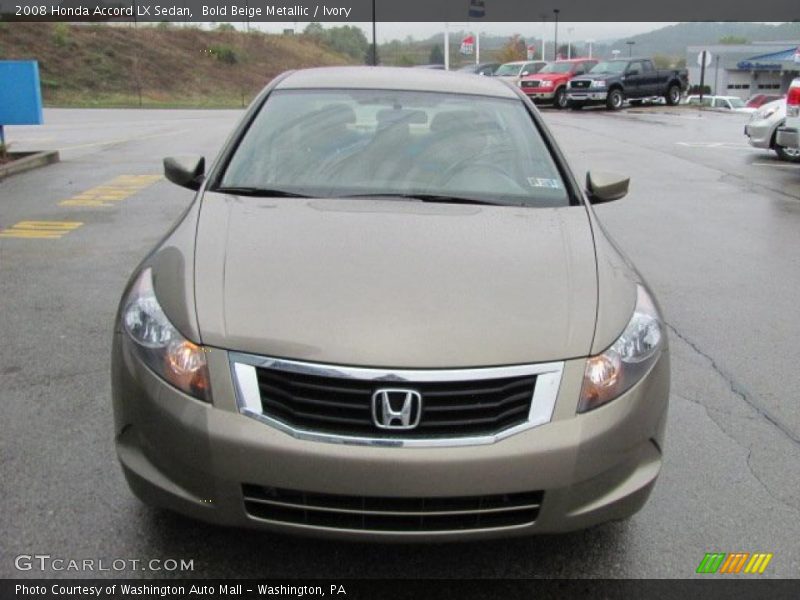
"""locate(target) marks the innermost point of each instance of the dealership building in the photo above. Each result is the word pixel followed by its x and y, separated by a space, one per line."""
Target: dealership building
pixel 746 69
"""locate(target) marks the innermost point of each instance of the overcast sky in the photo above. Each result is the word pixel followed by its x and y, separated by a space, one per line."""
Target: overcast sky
pixel 566 31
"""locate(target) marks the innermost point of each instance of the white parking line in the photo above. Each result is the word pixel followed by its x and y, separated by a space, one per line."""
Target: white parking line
pixel 777 164
pixel 724 145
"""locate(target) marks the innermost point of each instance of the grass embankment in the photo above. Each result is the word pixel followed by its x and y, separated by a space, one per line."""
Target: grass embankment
pixel 156 66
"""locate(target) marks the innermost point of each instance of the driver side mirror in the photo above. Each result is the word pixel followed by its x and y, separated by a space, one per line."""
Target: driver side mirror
pixel 605 187
pixel 185 171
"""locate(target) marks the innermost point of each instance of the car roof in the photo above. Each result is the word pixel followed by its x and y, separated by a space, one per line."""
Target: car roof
pixel 395 78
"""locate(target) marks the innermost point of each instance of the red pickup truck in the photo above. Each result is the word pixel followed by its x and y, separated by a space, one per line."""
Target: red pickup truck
pixel 550 84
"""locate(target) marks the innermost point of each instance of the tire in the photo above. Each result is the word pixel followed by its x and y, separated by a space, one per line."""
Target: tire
pixel 615 99
pixel 560 100
pixel 788 154
pixel 673 95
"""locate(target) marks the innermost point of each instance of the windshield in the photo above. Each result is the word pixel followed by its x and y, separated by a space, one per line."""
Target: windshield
pixel 558 67
pixel 736 102
pixel 333 143
pixel 612 66
pixel 508 69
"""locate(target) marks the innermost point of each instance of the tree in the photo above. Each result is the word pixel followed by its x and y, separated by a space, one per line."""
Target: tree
pixel 564 51
pixel 514 49
pixel 348 39
pixel 662 61
pixel 314 29
pixel 436 56
pixel 732 39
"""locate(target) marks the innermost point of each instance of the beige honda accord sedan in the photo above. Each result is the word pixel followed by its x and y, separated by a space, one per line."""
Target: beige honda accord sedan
pixel 390 313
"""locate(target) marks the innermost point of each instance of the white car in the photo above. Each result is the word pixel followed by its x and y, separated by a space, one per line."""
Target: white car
pixel 732 103
pixel 514 71
pixel 762 130
pixel 789 135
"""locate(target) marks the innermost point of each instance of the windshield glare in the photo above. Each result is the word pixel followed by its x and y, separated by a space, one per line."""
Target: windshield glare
pixel 558 67
pixel 613 66
pixel 329 143
pixel 508 69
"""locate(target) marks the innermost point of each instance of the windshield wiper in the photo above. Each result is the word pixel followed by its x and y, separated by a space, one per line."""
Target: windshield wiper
pixel 257 191
pixel 440 198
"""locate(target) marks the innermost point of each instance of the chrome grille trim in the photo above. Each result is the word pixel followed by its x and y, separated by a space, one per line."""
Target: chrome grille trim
pixel 248 395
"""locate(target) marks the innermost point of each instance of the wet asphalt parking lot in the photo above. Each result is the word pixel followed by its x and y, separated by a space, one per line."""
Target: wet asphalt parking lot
pixel 713 225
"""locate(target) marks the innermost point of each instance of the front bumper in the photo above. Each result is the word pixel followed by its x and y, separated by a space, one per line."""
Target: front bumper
pixel 587 97
pixel 788 137
pixel 194 458
pixel 540 95
pixel 759 134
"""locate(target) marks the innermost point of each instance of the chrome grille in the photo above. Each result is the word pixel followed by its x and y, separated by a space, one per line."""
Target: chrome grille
pixel 342 404
pixel 401 514
pixel 450 408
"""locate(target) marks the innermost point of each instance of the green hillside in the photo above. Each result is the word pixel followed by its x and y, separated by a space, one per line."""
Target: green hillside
pixel 102 65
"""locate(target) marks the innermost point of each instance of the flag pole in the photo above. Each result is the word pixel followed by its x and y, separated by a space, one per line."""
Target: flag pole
pixel 477 47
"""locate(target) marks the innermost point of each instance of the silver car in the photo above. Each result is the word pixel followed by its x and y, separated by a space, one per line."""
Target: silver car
pixel 390 313
pixel 762 129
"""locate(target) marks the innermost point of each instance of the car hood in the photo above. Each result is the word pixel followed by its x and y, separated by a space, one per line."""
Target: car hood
pixel 546 77
pixel 395 283
pixel 598 77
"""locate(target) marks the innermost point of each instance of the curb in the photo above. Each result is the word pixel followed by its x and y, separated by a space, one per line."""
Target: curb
pixel 26 161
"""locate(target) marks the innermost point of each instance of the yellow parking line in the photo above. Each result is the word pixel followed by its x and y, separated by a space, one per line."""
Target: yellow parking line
pixel 49 230
pixel 116 190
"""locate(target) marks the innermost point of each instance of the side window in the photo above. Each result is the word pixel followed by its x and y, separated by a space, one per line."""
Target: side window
pixel 647 66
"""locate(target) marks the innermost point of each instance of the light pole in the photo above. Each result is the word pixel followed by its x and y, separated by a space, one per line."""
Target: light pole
pixel 569 42
pixel 555 41
pixel 590 42
pixel 630 47
pixel 374 40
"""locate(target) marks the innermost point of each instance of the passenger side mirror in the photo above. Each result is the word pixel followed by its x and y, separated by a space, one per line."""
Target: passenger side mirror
pixel 605 187
pixel 185 171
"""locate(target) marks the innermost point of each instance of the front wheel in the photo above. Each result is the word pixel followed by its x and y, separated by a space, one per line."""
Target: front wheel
pixel 614 100
pixel 560 99
pixel 673 95
pixel 788 154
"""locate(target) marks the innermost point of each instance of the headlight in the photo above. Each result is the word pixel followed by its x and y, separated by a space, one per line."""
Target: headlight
pixel 598 83
pixel 547 83
pixel 610 374
pixel 162 348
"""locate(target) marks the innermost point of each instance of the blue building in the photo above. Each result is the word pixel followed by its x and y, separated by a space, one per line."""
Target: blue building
pixel 744 70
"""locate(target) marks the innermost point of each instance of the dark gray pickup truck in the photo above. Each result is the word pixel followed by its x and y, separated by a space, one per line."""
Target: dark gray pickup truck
pixel 612 82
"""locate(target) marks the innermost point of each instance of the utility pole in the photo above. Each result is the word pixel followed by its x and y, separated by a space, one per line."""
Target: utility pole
pixel 630 47
pixel 555 43
pixel 374 40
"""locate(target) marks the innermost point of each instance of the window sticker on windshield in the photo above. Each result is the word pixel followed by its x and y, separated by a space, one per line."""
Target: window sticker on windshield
pixel 543 182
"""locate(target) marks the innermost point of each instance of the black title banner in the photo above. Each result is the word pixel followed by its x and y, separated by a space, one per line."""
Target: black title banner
pixel 384 589
pixel 398 10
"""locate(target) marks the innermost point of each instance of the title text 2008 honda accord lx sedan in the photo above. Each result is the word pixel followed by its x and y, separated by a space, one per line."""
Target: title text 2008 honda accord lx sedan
pixel 390 313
